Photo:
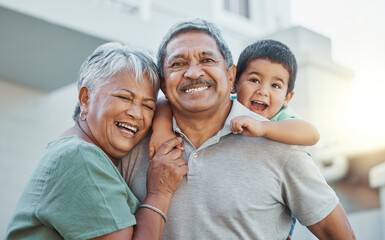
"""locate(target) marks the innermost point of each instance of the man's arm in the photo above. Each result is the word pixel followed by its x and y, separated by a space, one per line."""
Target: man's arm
pixel 334 226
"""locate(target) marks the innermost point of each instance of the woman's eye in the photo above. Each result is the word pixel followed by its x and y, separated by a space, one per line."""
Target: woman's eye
pixel 149 107
pixel 124 98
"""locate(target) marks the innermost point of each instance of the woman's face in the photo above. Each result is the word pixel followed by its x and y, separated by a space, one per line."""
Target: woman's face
pixel 120 114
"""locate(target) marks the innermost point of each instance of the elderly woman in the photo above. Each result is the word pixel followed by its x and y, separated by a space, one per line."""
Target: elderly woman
pixel 76 191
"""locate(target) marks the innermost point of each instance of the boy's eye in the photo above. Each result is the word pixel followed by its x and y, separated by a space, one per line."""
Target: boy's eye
pixel 276 86
pixel 254 80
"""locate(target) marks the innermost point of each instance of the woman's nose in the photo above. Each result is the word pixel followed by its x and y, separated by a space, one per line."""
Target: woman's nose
pixel 135 111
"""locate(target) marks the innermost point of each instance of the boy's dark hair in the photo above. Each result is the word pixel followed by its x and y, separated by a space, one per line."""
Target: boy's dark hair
pixel 273 51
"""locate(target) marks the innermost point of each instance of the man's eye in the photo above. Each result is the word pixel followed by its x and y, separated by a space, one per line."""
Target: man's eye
pixel 208 60
pixel 177 64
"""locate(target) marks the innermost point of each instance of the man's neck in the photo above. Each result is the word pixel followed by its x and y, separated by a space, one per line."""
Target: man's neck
pixel 199 127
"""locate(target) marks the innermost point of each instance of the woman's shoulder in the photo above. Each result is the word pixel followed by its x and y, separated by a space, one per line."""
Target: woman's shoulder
pixel 72 151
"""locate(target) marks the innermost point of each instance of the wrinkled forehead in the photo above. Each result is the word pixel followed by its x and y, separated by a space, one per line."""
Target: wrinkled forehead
pixel 192 43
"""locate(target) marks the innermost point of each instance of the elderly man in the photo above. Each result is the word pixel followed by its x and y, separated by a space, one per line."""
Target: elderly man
pixel 237 187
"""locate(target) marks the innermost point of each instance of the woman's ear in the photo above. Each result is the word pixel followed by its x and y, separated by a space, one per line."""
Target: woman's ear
pixel 84 99
pixel 288 98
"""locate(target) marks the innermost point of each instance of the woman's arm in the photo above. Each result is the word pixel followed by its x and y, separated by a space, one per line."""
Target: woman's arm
pixel 291 131
pixel 164 175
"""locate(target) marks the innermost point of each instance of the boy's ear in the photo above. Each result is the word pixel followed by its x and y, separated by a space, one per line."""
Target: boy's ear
pixel 163 86
pixel 84 99
pixel 288 98
pixel 232 73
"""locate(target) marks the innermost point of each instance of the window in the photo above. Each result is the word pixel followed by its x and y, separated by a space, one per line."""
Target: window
pixel 239 7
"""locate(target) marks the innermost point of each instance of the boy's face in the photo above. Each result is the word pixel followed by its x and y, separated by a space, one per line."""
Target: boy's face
pixel 262 87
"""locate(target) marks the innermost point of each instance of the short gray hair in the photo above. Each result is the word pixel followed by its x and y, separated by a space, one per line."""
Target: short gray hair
pixel 110 59
pixel 196 25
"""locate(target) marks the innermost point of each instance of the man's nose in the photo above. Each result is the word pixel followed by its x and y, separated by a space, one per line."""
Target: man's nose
pixel 194 71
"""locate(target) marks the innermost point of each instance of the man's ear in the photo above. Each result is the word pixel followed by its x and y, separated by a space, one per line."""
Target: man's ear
pixel 288 98
pixel 232 73
pixel 84 99
pixel 163 86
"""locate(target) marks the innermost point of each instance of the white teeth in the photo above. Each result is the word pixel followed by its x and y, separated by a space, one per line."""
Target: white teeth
pixel 262 103
pixel 195 89
pixel 127 126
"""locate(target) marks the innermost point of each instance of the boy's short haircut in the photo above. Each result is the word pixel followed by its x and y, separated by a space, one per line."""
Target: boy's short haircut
pixel 273 51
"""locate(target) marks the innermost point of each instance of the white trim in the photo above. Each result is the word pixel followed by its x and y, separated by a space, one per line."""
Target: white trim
pixel 243 25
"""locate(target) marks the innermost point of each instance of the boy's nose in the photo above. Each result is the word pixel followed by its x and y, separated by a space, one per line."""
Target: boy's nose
pixel 262 91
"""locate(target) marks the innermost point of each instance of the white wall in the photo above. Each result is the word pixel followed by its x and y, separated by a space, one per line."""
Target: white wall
pixel 29 119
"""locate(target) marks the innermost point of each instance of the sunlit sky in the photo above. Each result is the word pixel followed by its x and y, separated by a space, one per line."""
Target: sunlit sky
pixel 357 31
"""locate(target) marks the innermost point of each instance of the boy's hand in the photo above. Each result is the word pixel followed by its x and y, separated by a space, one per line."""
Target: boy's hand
pixel 247 126
pixel 159 137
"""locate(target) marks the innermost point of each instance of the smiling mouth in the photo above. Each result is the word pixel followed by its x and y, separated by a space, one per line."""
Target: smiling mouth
pixel 129 129
pixel 259 106
pixel 198 89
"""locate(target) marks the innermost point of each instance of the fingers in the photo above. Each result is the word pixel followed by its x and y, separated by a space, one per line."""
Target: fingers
pixel 183 170
pixel 236 125
pixel 180 147
pixel 169 145
pixel 151 151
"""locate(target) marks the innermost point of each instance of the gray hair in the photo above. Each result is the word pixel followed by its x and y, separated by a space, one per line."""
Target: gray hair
pixel 196 25
pixel 110 59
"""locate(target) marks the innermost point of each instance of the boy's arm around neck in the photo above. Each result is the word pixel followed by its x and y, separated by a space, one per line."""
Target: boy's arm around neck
pixel 291 131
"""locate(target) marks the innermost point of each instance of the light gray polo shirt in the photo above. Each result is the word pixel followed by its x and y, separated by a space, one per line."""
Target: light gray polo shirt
pixel 238 187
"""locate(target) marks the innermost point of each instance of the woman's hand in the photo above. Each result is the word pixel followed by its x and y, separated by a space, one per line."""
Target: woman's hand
pixel 166 169
pixel 158 137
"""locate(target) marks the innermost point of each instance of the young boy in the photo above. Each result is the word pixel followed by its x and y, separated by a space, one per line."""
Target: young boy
pixel 265 79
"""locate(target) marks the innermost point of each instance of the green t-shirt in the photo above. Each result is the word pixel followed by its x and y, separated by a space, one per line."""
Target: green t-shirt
pixel 75 192
pixel 283 114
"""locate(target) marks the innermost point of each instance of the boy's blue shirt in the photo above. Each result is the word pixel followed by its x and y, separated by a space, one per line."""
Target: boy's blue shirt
pixel 284 114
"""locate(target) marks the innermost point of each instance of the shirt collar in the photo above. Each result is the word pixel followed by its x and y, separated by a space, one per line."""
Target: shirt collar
pixel 237 109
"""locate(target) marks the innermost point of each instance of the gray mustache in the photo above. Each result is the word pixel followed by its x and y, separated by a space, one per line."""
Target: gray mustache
pixel 196 82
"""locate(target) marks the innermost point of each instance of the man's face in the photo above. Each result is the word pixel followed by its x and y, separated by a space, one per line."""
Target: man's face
pixel 195 74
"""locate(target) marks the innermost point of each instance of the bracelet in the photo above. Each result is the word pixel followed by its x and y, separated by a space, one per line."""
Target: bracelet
pixel 155 210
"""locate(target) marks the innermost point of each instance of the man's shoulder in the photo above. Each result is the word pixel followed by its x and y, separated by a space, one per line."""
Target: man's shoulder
pixel 261 145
